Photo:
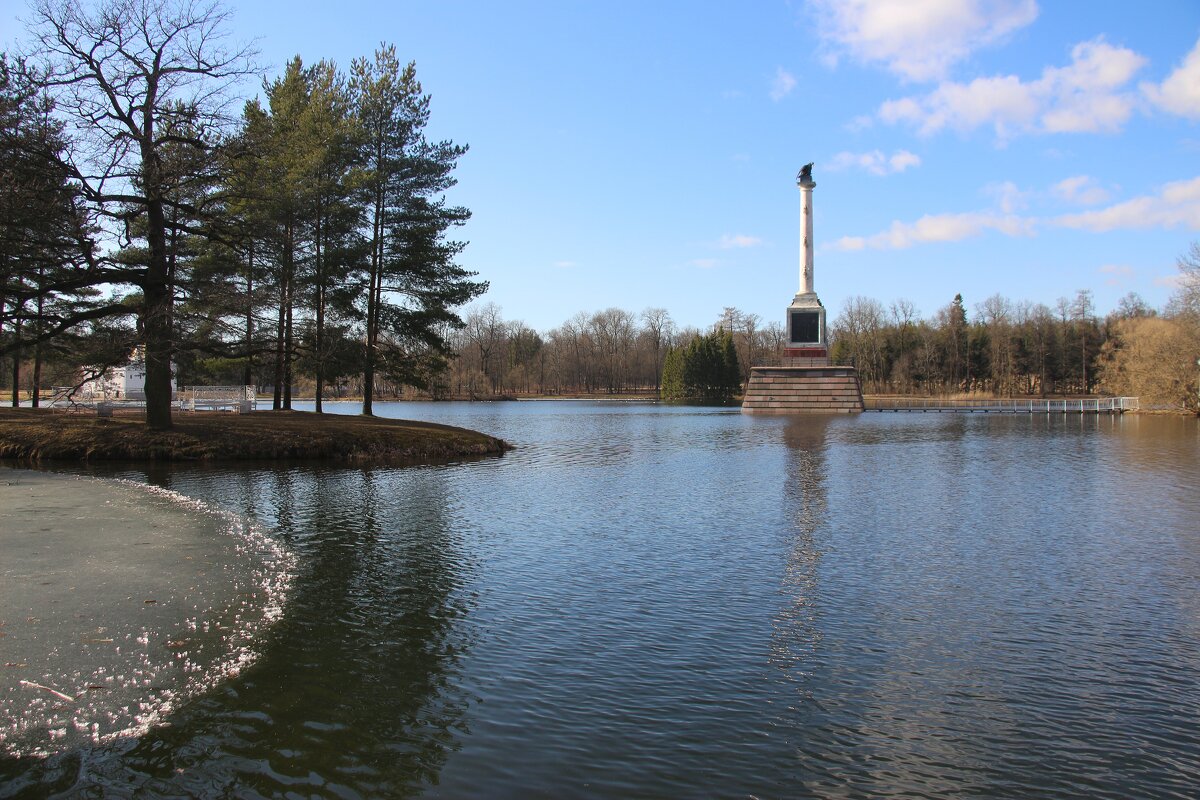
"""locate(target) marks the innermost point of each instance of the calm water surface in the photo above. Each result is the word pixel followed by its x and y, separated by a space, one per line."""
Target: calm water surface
pixel 643 601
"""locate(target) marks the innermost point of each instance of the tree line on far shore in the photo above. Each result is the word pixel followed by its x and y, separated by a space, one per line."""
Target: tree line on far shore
pixel 995 346
pixel 999 347
pixel 1007 348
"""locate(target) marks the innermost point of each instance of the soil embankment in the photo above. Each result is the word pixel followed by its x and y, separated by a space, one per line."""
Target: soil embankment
pixel 45 434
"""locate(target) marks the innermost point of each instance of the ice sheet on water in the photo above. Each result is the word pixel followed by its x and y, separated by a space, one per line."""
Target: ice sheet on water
pixel 118 602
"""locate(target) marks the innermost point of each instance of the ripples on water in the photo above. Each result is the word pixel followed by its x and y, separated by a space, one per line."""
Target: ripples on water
pixel 647 601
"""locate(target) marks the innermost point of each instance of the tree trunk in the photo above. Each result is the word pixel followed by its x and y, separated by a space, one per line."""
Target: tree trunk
pixel 289 352
pixel 36 392
pixel 376 278
pixel 157 332
pixel 16 366
pixel 157 293
pixel 277 401
pixel 248 373
pixel 319 344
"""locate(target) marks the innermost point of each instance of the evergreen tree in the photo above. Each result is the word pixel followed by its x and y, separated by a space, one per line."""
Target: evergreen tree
pixel 705 370
pixel 46 279
pixel 412 282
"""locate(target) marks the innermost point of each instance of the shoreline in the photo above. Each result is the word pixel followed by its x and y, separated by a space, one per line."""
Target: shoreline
pixel 35 435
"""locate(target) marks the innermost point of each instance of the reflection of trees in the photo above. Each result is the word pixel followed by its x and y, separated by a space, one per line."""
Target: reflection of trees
pixel 354 692
pixel 796 635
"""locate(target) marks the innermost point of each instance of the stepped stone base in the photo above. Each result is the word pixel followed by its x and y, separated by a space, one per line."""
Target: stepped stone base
pixel 803 390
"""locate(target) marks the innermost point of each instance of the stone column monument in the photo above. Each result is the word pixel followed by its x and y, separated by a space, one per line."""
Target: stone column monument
pixel 807 184
pixel 806 315
pixel 802 380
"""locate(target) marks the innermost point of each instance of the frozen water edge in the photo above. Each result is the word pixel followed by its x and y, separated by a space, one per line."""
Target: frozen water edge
pixel 127 599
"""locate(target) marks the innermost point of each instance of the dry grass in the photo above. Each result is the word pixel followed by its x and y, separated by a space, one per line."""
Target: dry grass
pixel 44 434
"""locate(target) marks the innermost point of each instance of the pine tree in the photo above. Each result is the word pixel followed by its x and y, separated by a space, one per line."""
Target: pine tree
pixel 46 275
pixel 412 281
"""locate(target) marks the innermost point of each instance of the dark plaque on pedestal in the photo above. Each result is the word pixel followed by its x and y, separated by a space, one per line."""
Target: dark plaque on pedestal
pixel 805 327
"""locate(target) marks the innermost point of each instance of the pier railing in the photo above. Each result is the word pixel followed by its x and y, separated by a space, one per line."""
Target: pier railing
pixel 1082 405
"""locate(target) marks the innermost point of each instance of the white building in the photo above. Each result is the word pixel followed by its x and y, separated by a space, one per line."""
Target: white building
pixel 121 383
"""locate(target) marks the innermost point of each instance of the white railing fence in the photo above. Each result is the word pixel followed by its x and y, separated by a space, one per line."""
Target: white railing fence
pixel 217 398
pixel 1082 405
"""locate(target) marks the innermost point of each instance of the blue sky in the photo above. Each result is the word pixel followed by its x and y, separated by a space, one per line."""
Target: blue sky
pixel 638 154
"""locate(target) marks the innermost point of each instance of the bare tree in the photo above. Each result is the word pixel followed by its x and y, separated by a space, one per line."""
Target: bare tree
pixel 139 78
pixel 1083 315
pixel 995 313
pixel 659 327
pixel 1185 301
pixel 486 332
pixel 750 331
pixel 1153 358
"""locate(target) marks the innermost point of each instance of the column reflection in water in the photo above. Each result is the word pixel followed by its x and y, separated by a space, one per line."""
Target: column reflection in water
pixel 356 690
pixel 797 634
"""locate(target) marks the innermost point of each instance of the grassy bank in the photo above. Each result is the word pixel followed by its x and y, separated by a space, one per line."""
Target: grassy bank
pixel 43 434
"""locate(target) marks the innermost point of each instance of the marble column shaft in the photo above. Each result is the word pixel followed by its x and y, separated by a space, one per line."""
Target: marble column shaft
pixel 806 238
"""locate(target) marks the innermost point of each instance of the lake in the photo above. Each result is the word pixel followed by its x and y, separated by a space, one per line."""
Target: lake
pixel 653 601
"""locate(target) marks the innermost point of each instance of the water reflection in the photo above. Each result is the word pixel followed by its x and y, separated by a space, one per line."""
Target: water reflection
pixel 796 637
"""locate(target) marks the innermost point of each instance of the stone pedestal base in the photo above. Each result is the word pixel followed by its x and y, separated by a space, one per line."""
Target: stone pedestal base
pixel 814 389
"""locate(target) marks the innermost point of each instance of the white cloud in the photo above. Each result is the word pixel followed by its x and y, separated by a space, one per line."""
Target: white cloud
pixel 1178 204
pixel 1081 189
pixel 1180 92
pixel 939 228
pixel 782 85
pixel 902 160
pixel 704 263
pixel 564 264
pixel 917 39
pixel 1008 197
pixel 875 162
pixel 738 241
pixel 1086 96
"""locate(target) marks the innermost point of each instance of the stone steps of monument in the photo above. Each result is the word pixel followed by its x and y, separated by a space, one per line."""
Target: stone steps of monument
pixel 849 386
pixel 782 391
pixel 812 388
pixel 803 391
pixel 783 372
pixel 801 403
pixel 803 399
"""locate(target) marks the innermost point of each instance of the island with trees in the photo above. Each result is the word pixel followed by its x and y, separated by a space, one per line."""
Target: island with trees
pixel 139 210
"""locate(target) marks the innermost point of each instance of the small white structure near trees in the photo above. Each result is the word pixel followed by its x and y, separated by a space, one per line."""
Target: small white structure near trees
pixel 126 382
pixel 109 387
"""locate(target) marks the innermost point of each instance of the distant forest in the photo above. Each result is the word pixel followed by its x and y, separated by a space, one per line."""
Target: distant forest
pixel 997 346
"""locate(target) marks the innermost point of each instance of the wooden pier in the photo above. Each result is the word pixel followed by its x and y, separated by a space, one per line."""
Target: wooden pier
pixel 1085 405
